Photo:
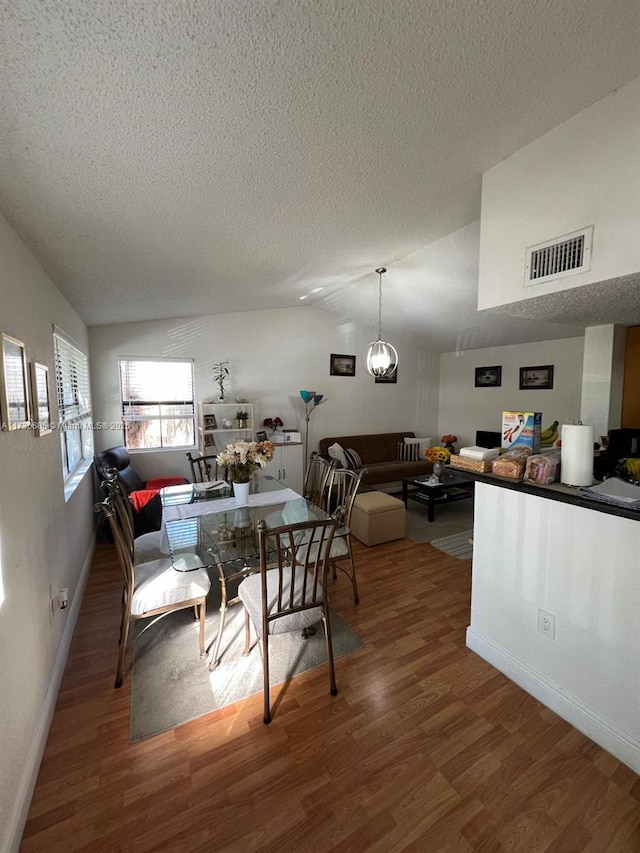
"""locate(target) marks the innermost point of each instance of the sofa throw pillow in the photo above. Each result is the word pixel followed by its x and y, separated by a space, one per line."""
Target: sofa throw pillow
pixel 407 452
pixel 353 458
pixel 336 452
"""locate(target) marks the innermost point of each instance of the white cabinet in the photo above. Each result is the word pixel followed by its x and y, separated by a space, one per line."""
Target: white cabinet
pixel 288 465
pixel 218 425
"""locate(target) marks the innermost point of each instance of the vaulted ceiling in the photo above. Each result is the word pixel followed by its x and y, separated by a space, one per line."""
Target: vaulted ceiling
pixel 166 159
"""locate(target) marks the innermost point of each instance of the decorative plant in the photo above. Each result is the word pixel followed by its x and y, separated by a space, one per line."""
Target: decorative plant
pixel 449 439
pixel 242 416
pixel 437 454
pixel 274 424
pixel 244 458
pixel 220 373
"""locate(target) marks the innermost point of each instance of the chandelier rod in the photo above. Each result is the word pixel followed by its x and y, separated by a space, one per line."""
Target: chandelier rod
pixel 380 271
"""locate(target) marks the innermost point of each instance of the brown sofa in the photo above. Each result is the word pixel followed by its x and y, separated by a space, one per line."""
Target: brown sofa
pixel 378 453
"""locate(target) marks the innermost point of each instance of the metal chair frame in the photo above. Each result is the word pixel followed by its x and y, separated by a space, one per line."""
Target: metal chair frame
pixel 124 550
pixel 317 478
pixel 342 489
pixel 202 467
pixel 292 580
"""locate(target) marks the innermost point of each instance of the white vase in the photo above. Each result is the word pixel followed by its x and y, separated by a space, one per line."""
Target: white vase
pixel 241 493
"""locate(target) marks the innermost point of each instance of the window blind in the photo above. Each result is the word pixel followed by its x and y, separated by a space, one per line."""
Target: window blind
pixel 158 406
pixel 74 402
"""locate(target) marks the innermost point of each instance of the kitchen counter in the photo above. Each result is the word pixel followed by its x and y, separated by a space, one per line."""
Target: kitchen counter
pixel 555 603
pixel 554 492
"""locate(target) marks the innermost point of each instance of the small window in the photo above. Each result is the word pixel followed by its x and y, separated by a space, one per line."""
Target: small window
pixel 157 403
pixel 74 403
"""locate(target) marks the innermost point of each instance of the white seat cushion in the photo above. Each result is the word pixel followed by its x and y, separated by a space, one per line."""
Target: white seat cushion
pixel 250 593
pixel 147 548
pixel 158 584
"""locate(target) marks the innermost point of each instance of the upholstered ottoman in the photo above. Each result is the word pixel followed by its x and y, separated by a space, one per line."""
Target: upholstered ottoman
pixel 377 517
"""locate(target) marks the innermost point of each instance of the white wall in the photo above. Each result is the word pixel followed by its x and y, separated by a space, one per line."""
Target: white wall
pixel 45 543
pixel 583 172
pixel 581 566
pixel 463 408
pixel 273 355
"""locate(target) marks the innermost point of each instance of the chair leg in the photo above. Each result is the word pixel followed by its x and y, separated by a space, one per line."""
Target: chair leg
pixel 266 719
pixel 350 573
pixel 202 608
pixel 332 666
pixel 354 579
pixel 247 633
pixel 214 658
pixel 122 649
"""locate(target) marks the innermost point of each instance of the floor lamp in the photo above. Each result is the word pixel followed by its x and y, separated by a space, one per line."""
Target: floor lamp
pixel 311 401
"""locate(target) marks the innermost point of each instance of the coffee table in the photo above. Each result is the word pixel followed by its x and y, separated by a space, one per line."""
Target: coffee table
pixel 452 487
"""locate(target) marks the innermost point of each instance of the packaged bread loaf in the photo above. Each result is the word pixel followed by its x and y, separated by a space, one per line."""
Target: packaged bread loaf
pixel 543 468
pixel 512 463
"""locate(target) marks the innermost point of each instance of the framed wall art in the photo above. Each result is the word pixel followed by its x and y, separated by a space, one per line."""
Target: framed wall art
pixel 342 365
pixel 40 399
pixel 489 377
pixel 14 388
pixel 389 378
pixel 536 378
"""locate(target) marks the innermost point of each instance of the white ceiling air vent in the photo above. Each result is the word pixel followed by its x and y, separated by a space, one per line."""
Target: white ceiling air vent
pixel 568 255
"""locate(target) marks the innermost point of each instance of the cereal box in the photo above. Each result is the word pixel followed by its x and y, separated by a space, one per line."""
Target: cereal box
pixel 521 429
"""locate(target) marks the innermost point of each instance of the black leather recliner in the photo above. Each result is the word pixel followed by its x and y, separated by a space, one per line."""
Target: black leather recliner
pixel 144 496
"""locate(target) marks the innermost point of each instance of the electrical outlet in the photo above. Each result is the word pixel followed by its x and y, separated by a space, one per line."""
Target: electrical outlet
pixel 547 624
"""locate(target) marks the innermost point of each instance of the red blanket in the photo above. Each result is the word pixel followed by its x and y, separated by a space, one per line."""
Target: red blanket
pixel 141 498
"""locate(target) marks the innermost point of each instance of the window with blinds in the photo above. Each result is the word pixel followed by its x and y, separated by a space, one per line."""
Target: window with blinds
pixel 158 408
pixel 74 403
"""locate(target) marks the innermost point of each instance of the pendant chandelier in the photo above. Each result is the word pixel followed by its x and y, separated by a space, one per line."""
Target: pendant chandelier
pixel 382 357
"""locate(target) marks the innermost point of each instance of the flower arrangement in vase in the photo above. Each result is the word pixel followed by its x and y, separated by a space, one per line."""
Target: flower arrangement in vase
pixel 243 458
pixel 437 454
pixel 448 441
pixel 242 417
pixel 274 424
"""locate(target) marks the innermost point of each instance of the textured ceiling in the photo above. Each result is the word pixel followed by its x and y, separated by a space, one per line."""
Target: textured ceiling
pixel 166 159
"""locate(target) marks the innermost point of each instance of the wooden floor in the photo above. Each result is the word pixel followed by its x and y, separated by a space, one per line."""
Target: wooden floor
pixel 425 748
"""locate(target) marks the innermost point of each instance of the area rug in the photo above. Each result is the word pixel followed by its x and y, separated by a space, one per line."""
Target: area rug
pixel 451 518
pixel 171 684
pixel 457 545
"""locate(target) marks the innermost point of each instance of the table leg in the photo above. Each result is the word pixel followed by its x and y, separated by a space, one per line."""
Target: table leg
pixel 431 507
pixel 214 656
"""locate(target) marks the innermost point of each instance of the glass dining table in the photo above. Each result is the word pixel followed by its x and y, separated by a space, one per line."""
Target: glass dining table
pixel 203 527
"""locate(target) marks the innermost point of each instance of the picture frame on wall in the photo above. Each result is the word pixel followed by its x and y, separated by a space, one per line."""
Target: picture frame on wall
pixel 538 378
pixel 40 398
pixel 390 378
pixel 489 377
pixel 14 387
pixel 342 365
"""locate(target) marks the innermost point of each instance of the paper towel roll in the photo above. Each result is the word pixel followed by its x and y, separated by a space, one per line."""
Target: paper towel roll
pixel 576 455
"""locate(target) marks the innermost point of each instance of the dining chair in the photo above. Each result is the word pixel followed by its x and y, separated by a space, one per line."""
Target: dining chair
pixel 144 547
pixel 202 468
pixel 289 593
pixel 342 490
pixel 317 479
pixel 152 589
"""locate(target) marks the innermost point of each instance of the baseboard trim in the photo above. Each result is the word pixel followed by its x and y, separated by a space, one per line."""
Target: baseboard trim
pixel 16 824
pixel 600 729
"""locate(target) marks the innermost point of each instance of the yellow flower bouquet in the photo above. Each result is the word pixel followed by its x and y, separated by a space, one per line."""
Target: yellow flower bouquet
pixel 437 454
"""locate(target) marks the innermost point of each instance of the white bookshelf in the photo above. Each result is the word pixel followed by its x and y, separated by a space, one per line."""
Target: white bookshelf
pixel 218 426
